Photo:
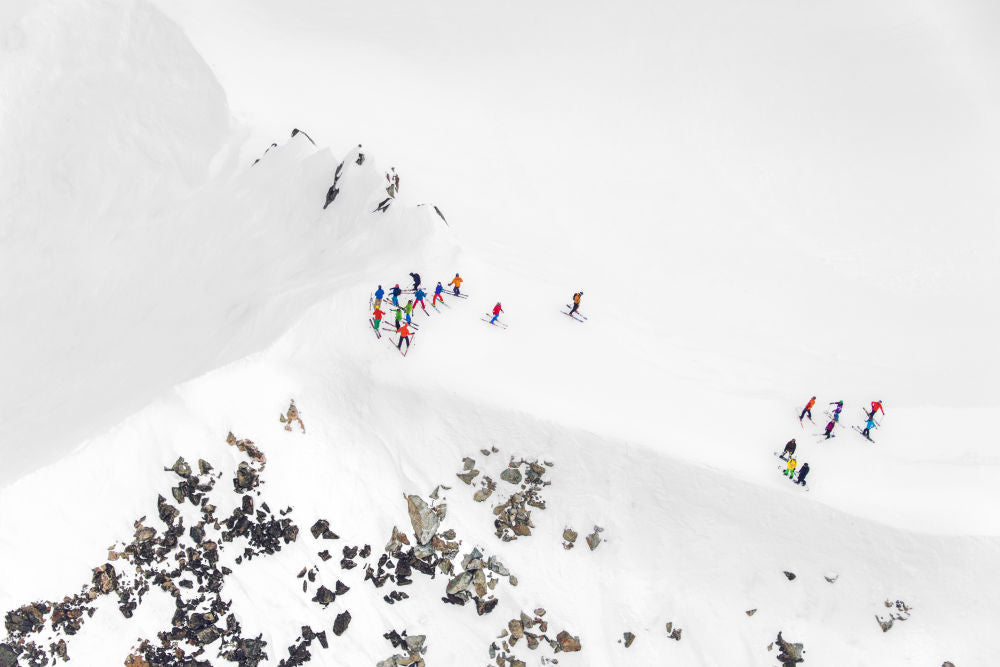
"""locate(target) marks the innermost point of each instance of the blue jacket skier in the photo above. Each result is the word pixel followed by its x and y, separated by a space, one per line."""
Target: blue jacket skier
pixel 379 293
pixel 419 298
pixel 395 295
pixel 868 427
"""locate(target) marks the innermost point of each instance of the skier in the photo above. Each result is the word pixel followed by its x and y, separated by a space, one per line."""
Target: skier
pixel 790 469
pixel 803 471
pixel 378 317
pixel 576 303
pixel 379 293
pixel 808 409
pixel 437 294
pixel 416 280
pixel 496 312
pixel 419 298
pixel 404 334
pixel 408 309
pixel 457 282
pixel 789 449
pixel 399 317
pixel 876 406
pixel 837 410
pixel 395 292
pixel 868 427
pixel 829 429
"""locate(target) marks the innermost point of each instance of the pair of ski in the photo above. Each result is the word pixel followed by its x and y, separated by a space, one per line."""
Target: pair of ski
pixel 489 317
pixel 576 316
pixel 862 432
pixel 805 486
pixel 404 349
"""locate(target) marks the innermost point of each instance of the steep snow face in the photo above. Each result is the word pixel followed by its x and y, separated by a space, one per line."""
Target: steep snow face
pixel 123 274
pixel 95 90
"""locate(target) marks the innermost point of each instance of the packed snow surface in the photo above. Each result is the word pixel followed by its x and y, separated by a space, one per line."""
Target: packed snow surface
pixel 741 249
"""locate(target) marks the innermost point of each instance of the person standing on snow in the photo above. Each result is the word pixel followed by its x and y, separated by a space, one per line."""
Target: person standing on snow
pixel 399 317
pixel 408 309
pixel 837 410
pixel 379 293
pixel 829 429
pixel 808 409
pixel 789 449
pixel 416 280
pixel 395 292
pixel 457 282
pixel 496 312
pixel 803 471
pixel 378 317
pixel 404 334
pixel 868 427
pixel 876 406
pixel 790 468
pixel 437 294
pixel 419 298
pixel 576 303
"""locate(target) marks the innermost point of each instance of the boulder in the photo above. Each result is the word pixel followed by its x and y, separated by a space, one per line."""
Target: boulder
pixel 467 477
pixel 511 475
pixel 629 638
pixel 568 642
pixel 425 521
pixel 341 622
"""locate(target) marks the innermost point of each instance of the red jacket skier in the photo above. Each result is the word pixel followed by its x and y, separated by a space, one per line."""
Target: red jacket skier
pixel 496 312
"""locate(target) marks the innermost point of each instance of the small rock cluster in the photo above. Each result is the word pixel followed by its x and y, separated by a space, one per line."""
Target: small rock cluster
pixel 674 633
pixel 521 629
pixel 478 577
pixel 898 611
pixel 513 518
pixel 414 645
pixel 292 415
pixel 593 540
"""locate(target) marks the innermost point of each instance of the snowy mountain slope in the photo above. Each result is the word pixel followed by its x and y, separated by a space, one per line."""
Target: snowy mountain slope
pixel 660 436
pixel 683 543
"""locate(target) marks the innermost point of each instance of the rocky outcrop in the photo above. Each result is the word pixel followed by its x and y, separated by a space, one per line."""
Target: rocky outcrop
pixel 789 654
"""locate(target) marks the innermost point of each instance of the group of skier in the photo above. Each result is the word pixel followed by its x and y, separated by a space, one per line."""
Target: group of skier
pixel 404 313
pixel 838 407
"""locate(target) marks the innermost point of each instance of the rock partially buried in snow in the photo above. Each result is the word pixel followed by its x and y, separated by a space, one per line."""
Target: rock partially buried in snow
pixel 831 577
pixel 341 622
pixel 511 475
pixel 593 540
pixel 467 477
pixel 751 612
pixel 789 575
pixel 789 653
pixel 629 638
pixel 568 642
pixel 424 519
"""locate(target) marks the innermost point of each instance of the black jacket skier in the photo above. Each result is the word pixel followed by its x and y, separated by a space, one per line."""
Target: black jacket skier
pixel 789 449
pixel 416 280
pixel 803 471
